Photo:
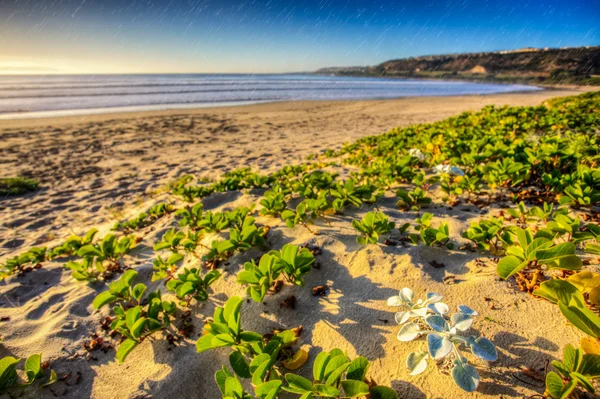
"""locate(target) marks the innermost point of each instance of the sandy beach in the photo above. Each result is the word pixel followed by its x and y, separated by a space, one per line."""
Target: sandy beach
pixel 99 169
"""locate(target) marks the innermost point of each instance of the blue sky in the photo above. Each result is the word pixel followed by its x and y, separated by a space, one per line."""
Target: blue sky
pixel 94 36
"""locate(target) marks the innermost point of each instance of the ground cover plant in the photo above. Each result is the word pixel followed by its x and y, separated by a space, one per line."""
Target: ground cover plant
pixel 17 185
pixel 444 336
pixel 533 171
pixel 33 370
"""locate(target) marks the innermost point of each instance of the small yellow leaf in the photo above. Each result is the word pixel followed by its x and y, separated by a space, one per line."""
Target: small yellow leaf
pixel 585 281
pixel 590 345
pixel 296 361
pixel 594 296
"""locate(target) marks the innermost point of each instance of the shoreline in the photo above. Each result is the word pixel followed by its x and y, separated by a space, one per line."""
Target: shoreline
pixel 35 112
pixel 81 115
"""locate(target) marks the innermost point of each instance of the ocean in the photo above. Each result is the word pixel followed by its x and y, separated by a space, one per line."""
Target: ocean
pixel 57 95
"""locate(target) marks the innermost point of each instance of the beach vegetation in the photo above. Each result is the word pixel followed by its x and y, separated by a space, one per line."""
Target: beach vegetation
pixel 17 186
pixel 371 226
pixel 444 336
pixel 430 235
pixel 33 370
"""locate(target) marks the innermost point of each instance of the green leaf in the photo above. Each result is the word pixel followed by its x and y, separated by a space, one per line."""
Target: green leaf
pixel 381 392
pixel 53 378
pixel 8 372
pixel 260 372
pixel 298 384
pixel 266 388
pixel 465 376
pixel 204 343
pixel 239 364
pixel 582 318
pixel 319 365
pixel 335 375
pixel 88 251
pixel 583 380
pixel 125 348
pixel 327 391
pixel 558 290
pixel 590 366
pixel 138 327
pixel 132 315
pixel 233 386
pixel 103 299
pixel 357 369
pixel 354 388
pixel 220 378
pixel 33 366
pixel 231 308
pixel 554 385
pixel 138 291
pixel 250 336
pixel 509 265
pixel 185 289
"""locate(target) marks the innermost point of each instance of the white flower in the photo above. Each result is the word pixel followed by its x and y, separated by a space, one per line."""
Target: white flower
pixel 416 153
pixel 452 170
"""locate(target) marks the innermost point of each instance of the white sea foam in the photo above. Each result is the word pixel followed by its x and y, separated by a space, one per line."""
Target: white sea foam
pixel 34 96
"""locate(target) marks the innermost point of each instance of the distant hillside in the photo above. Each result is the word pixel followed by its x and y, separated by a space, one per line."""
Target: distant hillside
pixel 576 65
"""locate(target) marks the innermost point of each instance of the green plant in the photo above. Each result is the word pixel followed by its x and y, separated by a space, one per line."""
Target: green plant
pixel 260 278
pixel 546 212
pixel 291 261
pixel 274 201
pixel 571 303
pixel 450 186
pixel 226 330
pixel 17 185
pixel 580 195
pixel 428 234
pixel 16 265
pixel 145 218
pixel 345 193
pixel 414 199
pixel 248 235
pixel 191 284
pixel 165 268
pixel 219 250
pixel 297 262
pixel 33 370
pixel 489 235
pixel 231 387
pixel 171 239
pixel 139 322
pixel 576 369
pixel 121 290
pixel 443 336
pixel 190 216
pixel 506 172
pixel 534 252
pixel 101 259
pixel 371 226
pixel 72 244
pixel 213 222
pixel 470 184
pixel 336 376
pixel 134 321
pixel 563 225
